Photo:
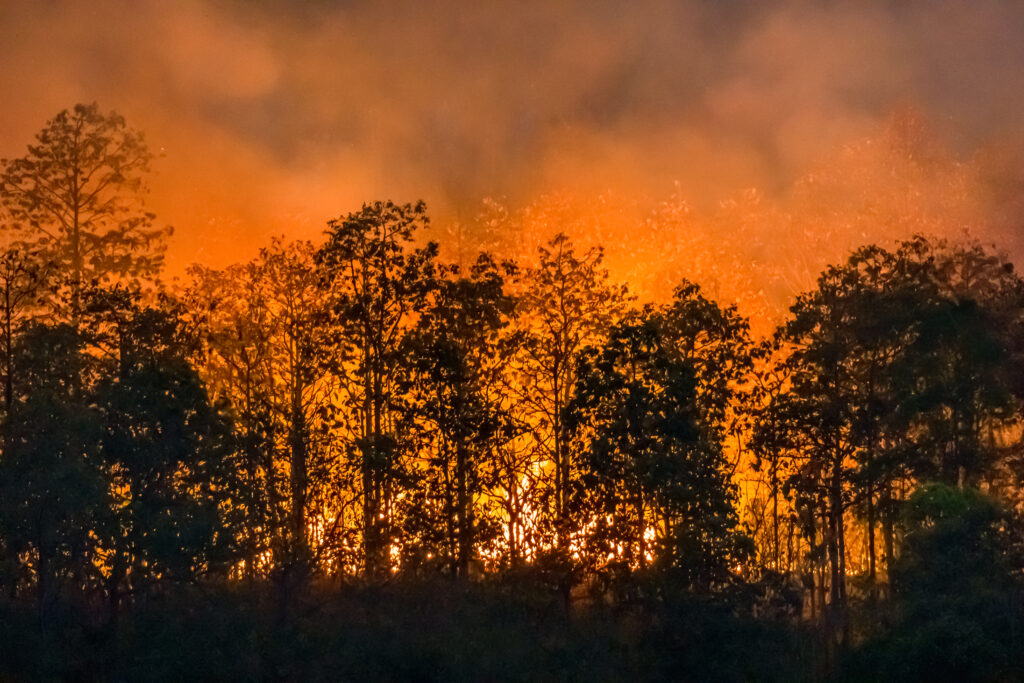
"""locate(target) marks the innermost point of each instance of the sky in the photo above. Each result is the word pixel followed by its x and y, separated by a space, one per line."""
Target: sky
pixel 271 117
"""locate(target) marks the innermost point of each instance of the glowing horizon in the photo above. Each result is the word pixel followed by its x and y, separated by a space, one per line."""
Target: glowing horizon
pixel 270 119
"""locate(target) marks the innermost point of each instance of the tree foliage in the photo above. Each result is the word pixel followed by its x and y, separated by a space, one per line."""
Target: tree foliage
pixel 359 411
pixel 375 280
pixel 77 196
pixel 654 487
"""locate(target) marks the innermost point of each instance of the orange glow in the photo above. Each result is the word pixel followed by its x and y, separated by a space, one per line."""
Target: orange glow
pixel 267 122
pixel 685 141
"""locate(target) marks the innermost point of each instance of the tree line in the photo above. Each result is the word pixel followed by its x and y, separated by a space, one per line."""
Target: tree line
pixel 361 409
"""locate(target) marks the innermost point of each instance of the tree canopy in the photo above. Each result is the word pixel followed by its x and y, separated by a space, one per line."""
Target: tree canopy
pixel 351 448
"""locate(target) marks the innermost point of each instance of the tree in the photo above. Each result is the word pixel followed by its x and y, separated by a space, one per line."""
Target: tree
pixel 168 454
pixel 956 607
pixel 897 367
pixel 566 304
pixel 456 362
pixel 78 192
pixel 54 496
pixel 375 281
pixel 264 324
pixel 818 415
pixel 296 322
pixel 23 281
pixel 230 309
pixel 654 487
pixel 957 372
pixel 715 342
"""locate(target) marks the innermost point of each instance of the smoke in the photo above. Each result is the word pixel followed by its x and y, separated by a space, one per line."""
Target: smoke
pixel 272 117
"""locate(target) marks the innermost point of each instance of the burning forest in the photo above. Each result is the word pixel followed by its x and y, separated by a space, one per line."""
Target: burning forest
pixel 673 342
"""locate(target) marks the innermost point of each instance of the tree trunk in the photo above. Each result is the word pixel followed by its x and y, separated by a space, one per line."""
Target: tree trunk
pixel 371 477
pixel 8 352
pixel 560 474
pixel 775 512
pixel 465 513
pixel 888 540
pixel 299 475
pixel 872 575
pixel 837 557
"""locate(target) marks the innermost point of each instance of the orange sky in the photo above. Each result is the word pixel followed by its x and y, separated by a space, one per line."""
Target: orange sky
pixel 272 117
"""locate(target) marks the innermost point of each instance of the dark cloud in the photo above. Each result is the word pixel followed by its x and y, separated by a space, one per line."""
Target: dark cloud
pixel 273 116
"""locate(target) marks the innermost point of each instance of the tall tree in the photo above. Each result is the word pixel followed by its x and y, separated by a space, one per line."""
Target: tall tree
pixel 167 451
pixel 24 278
pixel 956 374
pixel 654 487
pixel 264 323
pixel 715 341
pixel 78 192
pixel 54 496
pixel 456 362
pixel 817 414
pixel 297 317
pixel 897 368
pixel 375 280
pixel 231 310
pixel 568 302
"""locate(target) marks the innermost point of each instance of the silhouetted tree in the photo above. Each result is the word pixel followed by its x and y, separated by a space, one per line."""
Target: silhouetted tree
pixel 54 495
pixel 956 374
pixel 568 302
pixel 653 487
pixel 297 318
pixel 715 342
pixel 167 452
pixel 375 281
pixel 897 367
pixel 819 415
pixel 77 193
pixel 23 283
pixel 455 357
pixel 230 310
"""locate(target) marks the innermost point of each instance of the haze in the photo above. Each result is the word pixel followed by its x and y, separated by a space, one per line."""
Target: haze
pixel 271 118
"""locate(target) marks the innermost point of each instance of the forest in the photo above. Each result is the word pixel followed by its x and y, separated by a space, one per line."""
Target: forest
pixel 363 459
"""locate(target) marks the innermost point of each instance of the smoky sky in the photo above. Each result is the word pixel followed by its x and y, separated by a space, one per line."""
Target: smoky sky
pixel 271 117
